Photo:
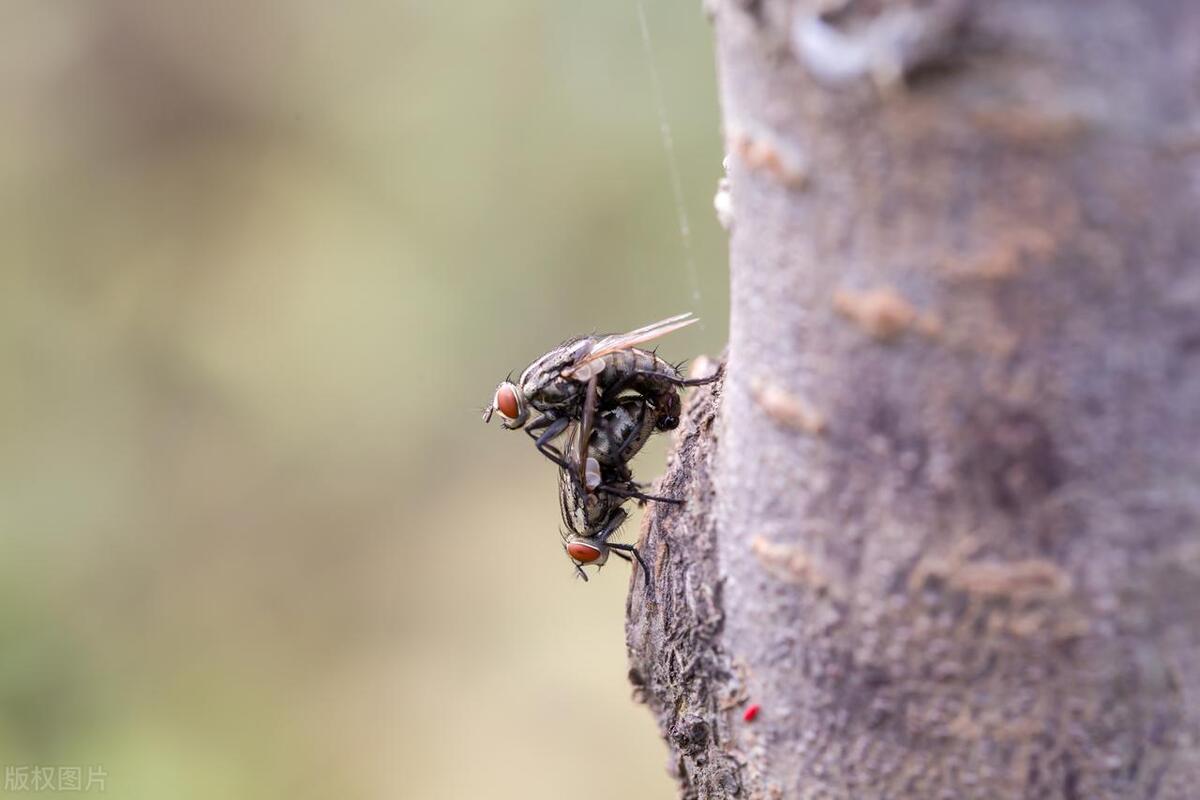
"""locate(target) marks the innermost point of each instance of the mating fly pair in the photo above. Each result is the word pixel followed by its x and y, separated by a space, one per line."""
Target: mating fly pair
pixel 608 397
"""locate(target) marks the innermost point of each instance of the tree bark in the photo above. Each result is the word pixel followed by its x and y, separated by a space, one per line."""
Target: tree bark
pixel 943 512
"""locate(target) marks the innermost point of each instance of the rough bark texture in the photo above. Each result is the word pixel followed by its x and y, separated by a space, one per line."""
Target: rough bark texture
pixel 944 510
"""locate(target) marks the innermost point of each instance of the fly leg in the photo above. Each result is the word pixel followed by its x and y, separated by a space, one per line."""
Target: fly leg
pixel 553 427
pixel 610 527
pixel 617 551
pixel 615 520
pixel 614 391
pixel 671 379
pixel 631 490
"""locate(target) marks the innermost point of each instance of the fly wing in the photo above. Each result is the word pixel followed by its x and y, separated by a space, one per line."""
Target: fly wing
pixel 624 341
pixel 585 429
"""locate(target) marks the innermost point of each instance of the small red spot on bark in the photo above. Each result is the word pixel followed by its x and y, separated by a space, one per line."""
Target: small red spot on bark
pixel 751 713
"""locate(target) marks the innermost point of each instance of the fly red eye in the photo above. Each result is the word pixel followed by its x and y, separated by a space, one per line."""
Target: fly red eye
pixel 584 553
pixel 506 401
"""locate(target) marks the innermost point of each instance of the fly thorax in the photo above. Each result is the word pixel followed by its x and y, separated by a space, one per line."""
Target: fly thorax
pixel 542 381
pixel 596 512
pixel 556 393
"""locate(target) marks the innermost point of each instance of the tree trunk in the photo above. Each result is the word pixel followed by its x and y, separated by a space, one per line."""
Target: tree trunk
pixel 943 513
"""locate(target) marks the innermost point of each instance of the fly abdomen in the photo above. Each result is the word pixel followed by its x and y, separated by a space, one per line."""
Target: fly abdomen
pixel 621 432
pixel 650 362
pixel 654 375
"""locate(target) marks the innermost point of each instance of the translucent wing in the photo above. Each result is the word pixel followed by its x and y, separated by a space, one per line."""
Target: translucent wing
pixel 624 341
pixel 585 432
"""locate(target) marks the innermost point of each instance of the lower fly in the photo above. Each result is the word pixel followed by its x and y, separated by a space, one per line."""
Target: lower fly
pixel 592 494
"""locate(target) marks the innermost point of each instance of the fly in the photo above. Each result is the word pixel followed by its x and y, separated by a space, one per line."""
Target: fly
pixel 556 385
pixel 592 495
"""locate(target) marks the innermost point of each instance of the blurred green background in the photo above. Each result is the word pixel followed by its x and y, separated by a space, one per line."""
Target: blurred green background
pixel 262 264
